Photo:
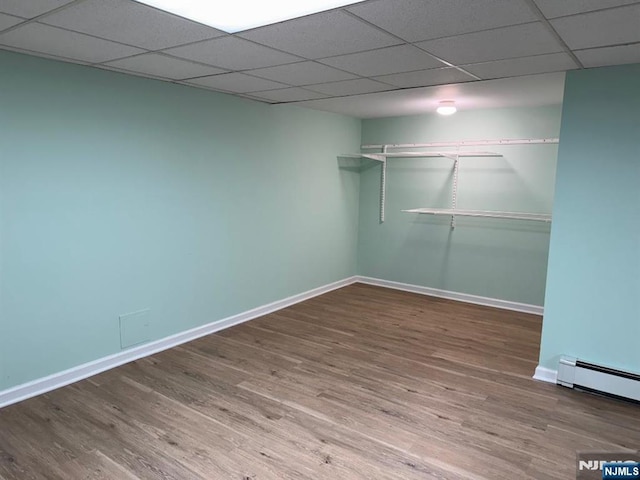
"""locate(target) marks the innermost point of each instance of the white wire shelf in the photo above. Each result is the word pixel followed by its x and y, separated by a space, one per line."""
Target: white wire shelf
pixel 454 153
pixel 468 143
pixel 537 217
pixel 380 156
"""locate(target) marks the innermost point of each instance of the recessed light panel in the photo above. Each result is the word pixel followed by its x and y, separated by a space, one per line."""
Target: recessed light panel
pixel 238 15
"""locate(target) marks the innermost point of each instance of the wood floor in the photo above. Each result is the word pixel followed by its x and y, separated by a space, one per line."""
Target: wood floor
pixel 360 383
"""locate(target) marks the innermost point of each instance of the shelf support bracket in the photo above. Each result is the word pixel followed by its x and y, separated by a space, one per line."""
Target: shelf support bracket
pixel 454 189
pixel 383 184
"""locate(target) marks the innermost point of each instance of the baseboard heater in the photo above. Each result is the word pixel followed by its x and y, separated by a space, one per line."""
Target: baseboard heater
pixel 574 373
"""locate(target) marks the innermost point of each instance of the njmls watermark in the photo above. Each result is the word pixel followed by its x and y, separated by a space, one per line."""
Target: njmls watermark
pixel 608 466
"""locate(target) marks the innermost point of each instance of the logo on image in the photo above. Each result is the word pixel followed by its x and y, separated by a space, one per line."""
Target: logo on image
pixel 608 466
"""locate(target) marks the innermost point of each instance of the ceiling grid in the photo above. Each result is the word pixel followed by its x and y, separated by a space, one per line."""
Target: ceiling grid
pixel 365 48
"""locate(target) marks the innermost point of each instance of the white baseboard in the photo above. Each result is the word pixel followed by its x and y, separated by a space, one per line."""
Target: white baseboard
pixel 461 297
pixel 72 375
pixel 66 377
pixel 544 374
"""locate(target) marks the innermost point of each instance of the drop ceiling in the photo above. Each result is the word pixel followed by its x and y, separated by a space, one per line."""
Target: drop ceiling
pixel 527 91
pixel 377 49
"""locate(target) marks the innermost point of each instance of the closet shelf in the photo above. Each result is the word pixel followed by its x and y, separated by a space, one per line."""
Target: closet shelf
pixel 538 217
pixel 451 154
pixel 467 143
pixel 381 156
pixel 371 156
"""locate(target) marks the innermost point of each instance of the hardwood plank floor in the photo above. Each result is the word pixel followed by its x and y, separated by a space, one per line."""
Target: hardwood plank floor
pixel 360 383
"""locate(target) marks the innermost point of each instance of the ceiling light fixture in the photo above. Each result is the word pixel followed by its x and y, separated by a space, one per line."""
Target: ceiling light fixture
pixel 447 107
pixel 238 15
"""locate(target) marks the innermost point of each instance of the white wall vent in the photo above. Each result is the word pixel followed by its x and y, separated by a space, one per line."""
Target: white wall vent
pixel 574 373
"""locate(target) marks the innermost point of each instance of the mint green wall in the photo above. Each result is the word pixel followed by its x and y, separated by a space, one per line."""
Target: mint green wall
pixel 593 287
pixel 503 259
pixel 119 194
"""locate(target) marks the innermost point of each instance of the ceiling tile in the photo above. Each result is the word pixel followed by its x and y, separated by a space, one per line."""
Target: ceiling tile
pixel 30 8
pixel 302 73
pixel 403 58
pixel 599 57
pixel 322 35
pixel 7 21
pixel 600 29
pixel 508 42
pixel 132 23
pixel 424 78
pixel 109 68
pixel 555 62
pixel 164 66
pixel 294 94
pixel 62 43
pixel 416 20
pixel 350 87
pixel 254 98
pixel 556 8
pixel 530 91
pixel 236 82
pixel 233 54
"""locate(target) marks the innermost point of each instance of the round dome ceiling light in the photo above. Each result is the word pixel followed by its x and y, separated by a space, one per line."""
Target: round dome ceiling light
pixel 447 107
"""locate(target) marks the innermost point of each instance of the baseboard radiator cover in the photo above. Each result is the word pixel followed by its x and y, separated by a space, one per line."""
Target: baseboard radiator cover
pixel 575 373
